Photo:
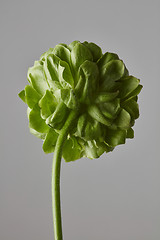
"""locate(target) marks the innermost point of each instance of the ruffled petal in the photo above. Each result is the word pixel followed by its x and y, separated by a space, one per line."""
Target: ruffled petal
pixel 71 145
pixel 62 52
pixel 31 96
pixel 47 104
pixel 110 73
pixel 88 82
pixel 36 122
pixel 50 141
pixel 79 54
pixel 95 50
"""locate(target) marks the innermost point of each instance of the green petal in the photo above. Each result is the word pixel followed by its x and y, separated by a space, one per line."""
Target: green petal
pixel 123 120
pixel 37 134
pixel 64 45
pixel 37 79
pixel 28 112
pixel 115 137
pixel 47 104
pixel 126 72
pixel 132 108
pixel 94 149
pixel 133 94
pixel 71 145
pixel 79 54
pixel 62 52
pixel 38 63
pixel 45 54
pixel 106 96
pixel 72 44
pixel 111 72
pixel 95 50
pixel 88 81
pixel 88 128
pixel 50 141
pixel 127 86
pixel 106 58
pixel 130 133
pixel 69 98
pixel 51 65
pixel 96 113
pixel 22 96
pixel 65 75
pixel 57 119
pixel 31 95
pixel 110 109
pixel 36 122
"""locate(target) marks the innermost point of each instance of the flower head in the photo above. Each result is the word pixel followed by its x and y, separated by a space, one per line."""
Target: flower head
pixel 78 77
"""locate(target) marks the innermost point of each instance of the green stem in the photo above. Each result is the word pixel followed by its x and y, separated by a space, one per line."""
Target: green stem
pixel 56 205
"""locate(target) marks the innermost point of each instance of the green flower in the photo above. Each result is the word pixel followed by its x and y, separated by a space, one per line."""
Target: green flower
pixel 78 77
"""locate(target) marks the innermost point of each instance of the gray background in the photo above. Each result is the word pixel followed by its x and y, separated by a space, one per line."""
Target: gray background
pixel 115 197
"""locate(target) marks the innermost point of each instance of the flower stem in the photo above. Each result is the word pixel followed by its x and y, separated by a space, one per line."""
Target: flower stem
pixel 56 205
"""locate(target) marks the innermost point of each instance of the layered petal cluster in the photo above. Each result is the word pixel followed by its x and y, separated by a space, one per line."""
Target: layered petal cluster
pixel 78 77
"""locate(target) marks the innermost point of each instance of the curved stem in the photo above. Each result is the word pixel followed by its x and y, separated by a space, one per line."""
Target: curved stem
pixel 56 205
